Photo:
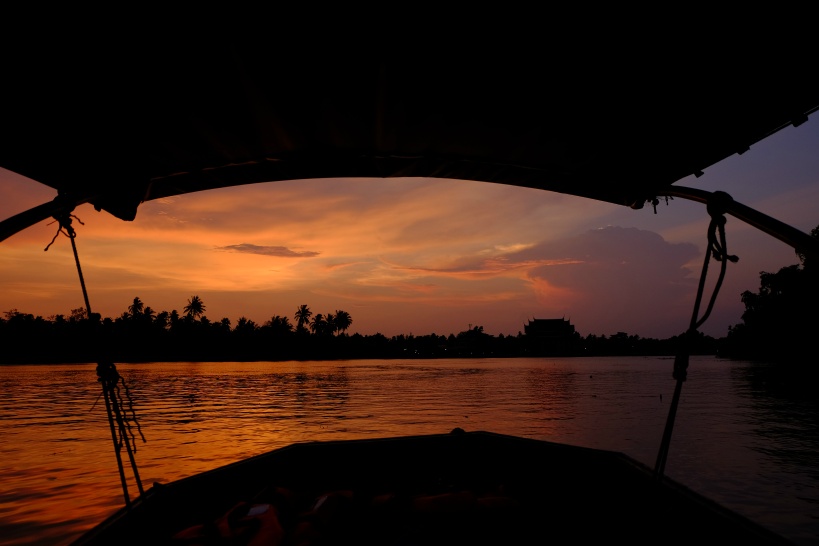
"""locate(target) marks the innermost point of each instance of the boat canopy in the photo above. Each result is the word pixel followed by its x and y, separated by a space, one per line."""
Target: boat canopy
pixel 116 127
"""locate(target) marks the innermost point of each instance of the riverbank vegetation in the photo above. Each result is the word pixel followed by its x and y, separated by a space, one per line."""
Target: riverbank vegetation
pixel 140 334
pixel 778 324
pixel 780 319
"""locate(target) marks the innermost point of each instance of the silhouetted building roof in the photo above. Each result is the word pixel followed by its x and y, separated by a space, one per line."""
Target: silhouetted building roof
pixel 549 328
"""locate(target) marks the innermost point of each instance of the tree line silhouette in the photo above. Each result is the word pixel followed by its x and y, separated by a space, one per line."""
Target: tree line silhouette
pixel 141 334
pixel 778 324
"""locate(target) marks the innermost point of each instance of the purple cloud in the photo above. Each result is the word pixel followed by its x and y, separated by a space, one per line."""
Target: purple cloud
pixel 278 251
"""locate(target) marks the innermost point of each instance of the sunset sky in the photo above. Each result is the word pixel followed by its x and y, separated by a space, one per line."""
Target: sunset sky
pixel 419 256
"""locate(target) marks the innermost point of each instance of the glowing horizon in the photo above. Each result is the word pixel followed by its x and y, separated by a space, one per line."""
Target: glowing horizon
pixel 413 256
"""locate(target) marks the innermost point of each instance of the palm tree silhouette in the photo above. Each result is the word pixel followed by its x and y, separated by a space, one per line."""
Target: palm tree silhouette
pixel 343 320
pixel 162 320
pixel 245 326
pixel 319 324
pixel 302 317
pixel 135 309
pixel 279 324
pixel 148 314
pixel 195 307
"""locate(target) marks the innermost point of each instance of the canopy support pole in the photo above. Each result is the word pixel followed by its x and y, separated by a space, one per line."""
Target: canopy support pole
pixel 799 240
pixel 59 206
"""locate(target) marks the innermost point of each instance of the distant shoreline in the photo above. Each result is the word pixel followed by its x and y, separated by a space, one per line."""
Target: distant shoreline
pixel 88 362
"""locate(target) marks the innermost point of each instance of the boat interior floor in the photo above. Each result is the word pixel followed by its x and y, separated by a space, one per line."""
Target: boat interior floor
pixel 457 488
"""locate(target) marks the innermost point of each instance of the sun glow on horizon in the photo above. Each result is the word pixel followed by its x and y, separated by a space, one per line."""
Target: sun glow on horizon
pixel 411 255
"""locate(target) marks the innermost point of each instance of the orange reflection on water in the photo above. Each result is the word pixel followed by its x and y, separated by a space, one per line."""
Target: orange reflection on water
pixel 58 452
pixel 59 476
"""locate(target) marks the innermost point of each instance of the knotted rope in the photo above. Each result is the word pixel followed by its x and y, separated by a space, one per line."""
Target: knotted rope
pixel 110 379
pixel 718 250
pixel 122 433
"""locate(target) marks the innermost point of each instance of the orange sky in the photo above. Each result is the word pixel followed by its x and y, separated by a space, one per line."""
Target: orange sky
pixel 418 256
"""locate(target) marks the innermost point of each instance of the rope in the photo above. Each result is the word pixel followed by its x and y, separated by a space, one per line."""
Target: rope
pixel 110 379
pixel 67 229
pixel 717 249
pixel 122 434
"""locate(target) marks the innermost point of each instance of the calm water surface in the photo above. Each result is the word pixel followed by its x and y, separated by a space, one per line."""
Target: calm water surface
pixel 744 435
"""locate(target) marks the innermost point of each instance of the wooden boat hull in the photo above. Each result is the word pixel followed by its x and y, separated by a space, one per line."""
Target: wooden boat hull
pixel 457 488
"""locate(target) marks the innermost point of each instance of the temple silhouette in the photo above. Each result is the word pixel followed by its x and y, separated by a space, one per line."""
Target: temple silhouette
pixel 550 336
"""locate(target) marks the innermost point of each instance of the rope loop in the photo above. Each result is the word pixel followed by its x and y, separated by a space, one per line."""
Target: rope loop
pixel 718 203
pixel 718 250
pixel 64 226
pixel 108 375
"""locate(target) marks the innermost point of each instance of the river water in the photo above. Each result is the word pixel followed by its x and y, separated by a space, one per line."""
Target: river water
pixel 745 435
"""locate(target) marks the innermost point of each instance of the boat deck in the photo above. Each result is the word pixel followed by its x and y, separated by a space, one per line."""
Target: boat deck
pixel 458 488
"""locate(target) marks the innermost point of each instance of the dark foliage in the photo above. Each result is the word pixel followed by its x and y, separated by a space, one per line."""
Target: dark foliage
pixel 142 335
pixel 780 319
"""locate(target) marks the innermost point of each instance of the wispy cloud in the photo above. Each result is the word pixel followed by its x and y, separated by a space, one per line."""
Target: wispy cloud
pixel 472 267
pixel 277 251
pixel 343 265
